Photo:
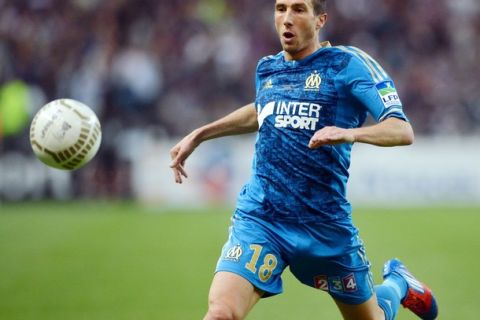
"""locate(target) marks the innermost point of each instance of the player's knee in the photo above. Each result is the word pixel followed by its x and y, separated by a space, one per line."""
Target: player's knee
pixel 220 311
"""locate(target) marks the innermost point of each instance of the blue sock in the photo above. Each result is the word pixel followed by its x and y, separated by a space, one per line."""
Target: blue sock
pixel 398 284
pixel 388 300
pixel 390 293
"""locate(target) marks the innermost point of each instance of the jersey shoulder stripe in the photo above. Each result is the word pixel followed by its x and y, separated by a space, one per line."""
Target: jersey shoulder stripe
pixel 271 57
pixel 372 61
pixel 376 71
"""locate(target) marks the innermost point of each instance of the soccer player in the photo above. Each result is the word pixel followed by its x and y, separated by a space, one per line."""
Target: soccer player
pixel 311 102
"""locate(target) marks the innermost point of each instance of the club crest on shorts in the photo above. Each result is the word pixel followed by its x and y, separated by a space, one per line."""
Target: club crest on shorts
pixel 234 253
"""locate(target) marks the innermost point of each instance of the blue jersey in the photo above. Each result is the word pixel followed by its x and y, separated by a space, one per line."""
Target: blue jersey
pixel 335 86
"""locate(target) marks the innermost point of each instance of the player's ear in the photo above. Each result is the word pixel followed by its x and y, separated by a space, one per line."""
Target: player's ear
pixel 321 20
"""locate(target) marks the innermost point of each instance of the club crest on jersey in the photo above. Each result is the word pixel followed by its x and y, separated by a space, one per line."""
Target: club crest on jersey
pixel 313 82
pixel 234 253
pixel 388 94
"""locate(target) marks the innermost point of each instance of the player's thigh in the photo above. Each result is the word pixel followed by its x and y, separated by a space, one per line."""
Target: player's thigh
pixel 231 296
pixel 252 252
pixel 369 310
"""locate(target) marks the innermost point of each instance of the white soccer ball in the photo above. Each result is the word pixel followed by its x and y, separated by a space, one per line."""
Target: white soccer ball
pixel 65 134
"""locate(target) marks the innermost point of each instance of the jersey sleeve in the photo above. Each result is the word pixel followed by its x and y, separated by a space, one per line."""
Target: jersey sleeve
pixel 367 82
pixel 258 70
pixel 257 79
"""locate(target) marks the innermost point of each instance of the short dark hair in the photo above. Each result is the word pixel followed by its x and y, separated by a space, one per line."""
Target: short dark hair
pixel 319 6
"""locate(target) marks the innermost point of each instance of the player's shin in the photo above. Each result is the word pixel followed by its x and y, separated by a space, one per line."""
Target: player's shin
pixel 388 301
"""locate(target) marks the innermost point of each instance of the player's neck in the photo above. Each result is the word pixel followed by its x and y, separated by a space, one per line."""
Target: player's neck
pixel 305 52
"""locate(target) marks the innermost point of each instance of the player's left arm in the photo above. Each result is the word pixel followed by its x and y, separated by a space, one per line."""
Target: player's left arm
pixel 365 81
pixel 388 133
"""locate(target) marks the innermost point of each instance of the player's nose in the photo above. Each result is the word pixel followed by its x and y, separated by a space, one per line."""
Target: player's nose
pixel 287 18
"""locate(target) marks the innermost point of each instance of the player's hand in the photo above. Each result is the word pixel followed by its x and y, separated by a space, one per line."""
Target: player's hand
pixel 179 153
pixel 330 136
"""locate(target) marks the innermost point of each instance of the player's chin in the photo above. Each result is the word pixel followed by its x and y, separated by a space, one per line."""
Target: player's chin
pixel 290 49
pixel 288 44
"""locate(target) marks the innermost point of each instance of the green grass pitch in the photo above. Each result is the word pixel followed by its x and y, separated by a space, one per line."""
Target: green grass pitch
pixel 89 261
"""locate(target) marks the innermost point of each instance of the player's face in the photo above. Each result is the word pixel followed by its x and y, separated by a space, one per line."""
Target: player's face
pixel 298 27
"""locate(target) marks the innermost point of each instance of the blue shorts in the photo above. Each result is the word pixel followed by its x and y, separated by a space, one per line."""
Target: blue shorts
pixel 328 256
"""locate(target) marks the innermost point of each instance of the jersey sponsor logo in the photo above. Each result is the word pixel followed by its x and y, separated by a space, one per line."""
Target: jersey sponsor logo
pixel 313 82
pixel 234 253
pixel 291 114
pixel 388 94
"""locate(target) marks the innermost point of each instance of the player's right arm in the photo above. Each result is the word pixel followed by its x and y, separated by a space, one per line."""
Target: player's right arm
pixel 240 121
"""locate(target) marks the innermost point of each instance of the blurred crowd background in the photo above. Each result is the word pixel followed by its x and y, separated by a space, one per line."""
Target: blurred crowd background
pixel 166 66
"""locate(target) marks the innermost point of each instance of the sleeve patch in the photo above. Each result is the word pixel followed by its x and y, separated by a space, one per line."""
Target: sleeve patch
pixel 388 94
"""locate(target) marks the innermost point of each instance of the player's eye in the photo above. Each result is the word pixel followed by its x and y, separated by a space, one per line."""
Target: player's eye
pixel 300 9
